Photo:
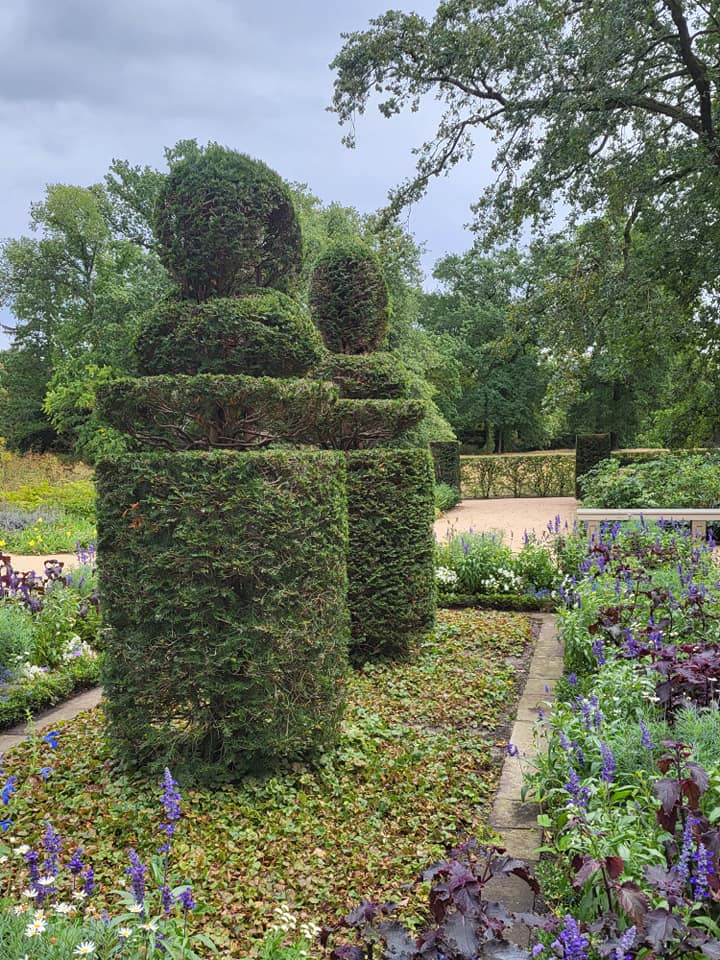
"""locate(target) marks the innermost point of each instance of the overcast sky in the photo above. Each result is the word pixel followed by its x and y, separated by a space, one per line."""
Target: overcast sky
pixel 83 81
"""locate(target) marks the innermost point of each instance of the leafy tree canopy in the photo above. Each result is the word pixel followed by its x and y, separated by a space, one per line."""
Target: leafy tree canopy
pixel 603 106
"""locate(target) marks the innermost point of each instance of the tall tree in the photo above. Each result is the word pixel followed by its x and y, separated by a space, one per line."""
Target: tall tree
pixel 586 101
pixel 501 373
pixel 76 291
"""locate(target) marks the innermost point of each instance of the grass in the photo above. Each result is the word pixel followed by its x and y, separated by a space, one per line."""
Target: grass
pixel 415 772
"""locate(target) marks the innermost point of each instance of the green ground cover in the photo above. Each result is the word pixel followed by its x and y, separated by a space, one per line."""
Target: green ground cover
pixel 415 772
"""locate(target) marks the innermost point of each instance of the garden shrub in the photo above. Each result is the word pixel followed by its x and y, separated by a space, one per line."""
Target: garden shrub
pixel 446 497
pixel 374 376
pixel 349 298
pixel 518 475
pixel 261 334
pixel 16 633
pixel 215 411
pixel 669 481
pixel 590 450
pixel 391 574
pixel 228 654
pixel 446 460
pixel 76 498
pixel 226 224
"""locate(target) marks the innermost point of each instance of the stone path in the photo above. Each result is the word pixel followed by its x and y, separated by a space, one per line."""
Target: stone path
pixel 66 711
pixel 513 517
pixel 514 820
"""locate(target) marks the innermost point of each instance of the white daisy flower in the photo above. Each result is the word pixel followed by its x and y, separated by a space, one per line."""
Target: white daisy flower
pixel 85 948
pixel 135 908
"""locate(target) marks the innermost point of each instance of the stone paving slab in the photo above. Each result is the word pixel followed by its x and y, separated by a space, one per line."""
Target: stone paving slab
pixel 65 711
pixel 515 820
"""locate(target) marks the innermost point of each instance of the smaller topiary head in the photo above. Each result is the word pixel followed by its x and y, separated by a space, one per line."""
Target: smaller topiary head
pixel 226 224
pixel 349 298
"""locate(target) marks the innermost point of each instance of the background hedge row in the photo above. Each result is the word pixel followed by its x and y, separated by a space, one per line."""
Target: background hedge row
pixel 531 475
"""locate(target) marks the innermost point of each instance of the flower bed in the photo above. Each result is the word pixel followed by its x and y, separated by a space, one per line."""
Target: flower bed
pixel 414 773
pixel 630 777
pixel 48 636
pixel 480 570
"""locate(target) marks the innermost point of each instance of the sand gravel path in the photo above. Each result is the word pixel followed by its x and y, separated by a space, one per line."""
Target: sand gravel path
pixel 513 517
pixel 23 564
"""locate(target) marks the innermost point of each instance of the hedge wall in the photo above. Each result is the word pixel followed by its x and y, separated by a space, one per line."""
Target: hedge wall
pixel 391 569
pixel 223 582
pixel 446 459
pixel 532 475
pixel 590 450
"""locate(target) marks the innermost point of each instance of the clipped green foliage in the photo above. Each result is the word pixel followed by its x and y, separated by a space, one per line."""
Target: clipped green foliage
pixel 211 411
pixel 349 298
pixel 518 475
pixel 223 583
pixel 446 459
pixel 360 424
pixel 263 334
pixel 226 224
pixel 377 376
pixel 590 450
pixel 391 570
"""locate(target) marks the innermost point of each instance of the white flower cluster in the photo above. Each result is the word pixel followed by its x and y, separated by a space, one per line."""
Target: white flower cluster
pixel 75 647
pixel 446 576
pixel 502 581
pixel 287 922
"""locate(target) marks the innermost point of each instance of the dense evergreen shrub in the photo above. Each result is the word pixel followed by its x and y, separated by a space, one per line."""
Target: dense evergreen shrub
pixel 376 376
pixel 590 450
pixel 223 583
pixel 446 460
pixel 226 224
pixel 359 424
pixel 349 298
pixel 262 334
pixel 211 411
pixel 391 570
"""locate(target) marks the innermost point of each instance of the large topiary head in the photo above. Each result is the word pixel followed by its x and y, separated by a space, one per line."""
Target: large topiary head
pixel 226 224
pixel 349 298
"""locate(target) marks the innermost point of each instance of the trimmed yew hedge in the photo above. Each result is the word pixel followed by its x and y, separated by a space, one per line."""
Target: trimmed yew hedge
pixel 590 450
pixel 349 297
pixel 223 583
pixel 446 459
pixel 211 411
pixel 261 334
pixel 391 569
pixel 373 376
pixel 531 475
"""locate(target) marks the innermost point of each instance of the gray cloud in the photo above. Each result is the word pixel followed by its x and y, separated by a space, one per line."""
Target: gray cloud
pixel 83 81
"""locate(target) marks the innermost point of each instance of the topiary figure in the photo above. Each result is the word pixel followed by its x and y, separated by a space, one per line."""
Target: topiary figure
pixel 349 298
pixel 226 224
pixel 261 334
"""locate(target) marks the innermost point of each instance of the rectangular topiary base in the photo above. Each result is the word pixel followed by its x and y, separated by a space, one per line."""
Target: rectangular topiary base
pixel 391 570
pixel 223 586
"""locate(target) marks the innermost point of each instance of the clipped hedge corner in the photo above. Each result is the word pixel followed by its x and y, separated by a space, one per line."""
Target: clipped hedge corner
pixel 446 459
pixel 391 569
pixel 590 450
pixel 223 584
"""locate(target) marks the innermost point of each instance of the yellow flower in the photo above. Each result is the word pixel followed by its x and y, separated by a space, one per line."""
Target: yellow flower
pixel 2 543
pixel 39 520
pixel 31 543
